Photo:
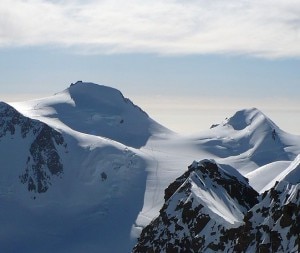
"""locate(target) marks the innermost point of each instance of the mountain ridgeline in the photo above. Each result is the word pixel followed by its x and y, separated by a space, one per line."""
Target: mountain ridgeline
pixel 193 221
pixel 87 170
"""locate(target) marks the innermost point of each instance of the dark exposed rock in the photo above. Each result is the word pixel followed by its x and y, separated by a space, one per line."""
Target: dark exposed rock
pixel 43 160
pixel 173 187
pixel 179 227
pixel 103 176
pixel 214 125
pixel 271 222
pixel 244 194
pixel 275 229
pixel 10 119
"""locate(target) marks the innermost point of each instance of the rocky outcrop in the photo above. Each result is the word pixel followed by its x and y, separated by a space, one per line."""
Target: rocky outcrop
pixel 273 225
pixel 43 160
pixel 190 220
pixel 196 209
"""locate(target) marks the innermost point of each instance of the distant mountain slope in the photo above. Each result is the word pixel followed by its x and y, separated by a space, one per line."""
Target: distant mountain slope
pixel 251 136
pixel 96 110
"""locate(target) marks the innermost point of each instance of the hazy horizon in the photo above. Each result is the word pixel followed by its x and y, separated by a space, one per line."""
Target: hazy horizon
pixel 190 115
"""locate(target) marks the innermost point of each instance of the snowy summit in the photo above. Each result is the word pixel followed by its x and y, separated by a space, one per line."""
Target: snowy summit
pixel 87 170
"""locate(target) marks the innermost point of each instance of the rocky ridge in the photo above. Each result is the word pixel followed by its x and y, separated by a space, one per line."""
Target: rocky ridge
pixel 43 160
pixel 199 205
pixel 269 222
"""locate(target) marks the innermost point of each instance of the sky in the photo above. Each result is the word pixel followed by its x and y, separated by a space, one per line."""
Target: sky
pixel 189 64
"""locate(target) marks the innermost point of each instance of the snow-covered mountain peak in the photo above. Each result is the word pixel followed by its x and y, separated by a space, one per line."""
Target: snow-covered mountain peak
pixel 90 93
pixel 250 135
pixel 249 117
pixel 97 110
pixel 205 198
pixel 189 222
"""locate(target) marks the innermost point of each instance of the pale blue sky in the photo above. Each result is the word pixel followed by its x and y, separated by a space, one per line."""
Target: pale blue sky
pixel 48 70
pixel 219 56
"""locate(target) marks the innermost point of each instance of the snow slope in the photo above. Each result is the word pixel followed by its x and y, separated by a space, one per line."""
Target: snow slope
pixel 291 174
pixel 265 177
pixel 244 142
pixel 117 162
pixel 73 209
pixel 95 110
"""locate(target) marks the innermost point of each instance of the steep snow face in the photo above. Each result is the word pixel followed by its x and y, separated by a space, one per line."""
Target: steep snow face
pixel 204 201
pixel 96 110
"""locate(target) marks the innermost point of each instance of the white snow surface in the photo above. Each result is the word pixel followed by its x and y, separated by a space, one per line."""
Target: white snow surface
pixel 264 177
pixel 291 174
pixel 95 110
pixel 216 202
pixel 107 133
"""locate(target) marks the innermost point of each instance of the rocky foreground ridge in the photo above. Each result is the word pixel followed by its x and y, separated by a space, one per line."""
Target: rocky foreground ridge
pixel 207 209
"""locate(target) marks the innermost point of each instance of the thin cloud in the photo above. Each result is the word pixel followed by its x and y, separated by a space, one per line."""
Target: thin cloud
pixel 262 28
